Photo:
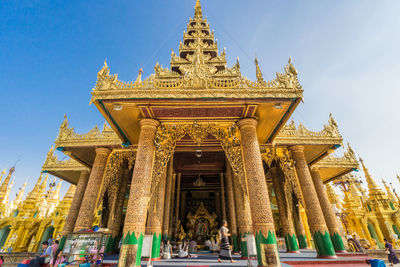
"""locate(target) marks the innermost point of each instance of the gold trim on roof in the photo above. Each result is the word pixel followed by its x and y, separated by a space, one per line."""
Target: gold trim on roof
pixel 198 70
pixel 290 134
pixel 68 137
pixel 52 163
pixel 348 160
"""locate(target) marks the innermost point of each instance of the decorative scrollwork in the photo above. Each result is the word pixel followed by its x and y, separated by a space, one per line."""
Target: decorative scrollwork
pixel 168 135
pixel 118 158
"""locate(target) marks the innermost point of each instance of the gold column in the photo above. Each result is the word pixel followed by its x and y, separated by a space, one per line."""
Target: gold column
pixel 263 222
pixel 135 219
pixel 243 215
pixel 155 216
pixel 75 206
pixel 223 204
pixel 119 204
pixel 167 203
pixel 319 230
pixel 330 217
pixel 178 195
pixel 285 212
pixel 231 207
pixel 299 226
pixel 172 205
pixel 88 206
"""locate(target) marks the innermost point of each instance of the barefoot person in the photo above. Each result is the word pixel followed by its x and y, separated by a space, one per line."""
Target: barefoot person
pixel 225 251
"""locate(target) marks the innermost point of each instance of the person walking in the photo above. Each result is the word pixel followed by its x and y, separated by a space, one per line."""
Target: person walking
pixel 391 253
pixel 225 250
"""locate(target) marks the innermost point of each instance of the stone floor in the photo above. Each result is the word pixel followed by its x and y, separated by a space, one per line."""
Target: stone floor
pixel 305 259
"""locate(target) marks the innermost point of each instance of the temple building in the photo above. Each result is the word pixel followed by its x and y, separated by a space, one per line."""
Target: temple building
pixel 195 144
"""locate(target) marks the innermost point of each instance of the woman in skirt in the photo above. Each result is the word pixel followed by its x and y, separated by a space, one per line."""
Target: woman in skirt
pixel 225 251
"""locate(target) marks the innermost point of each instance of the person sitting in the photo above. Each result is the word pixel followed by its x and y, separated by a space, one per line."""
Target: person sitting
pixel 183 249
pixel 45 257
pixel 167 251
pixel 192 246
pixel 207 244
pixel 57 259
pixel 162 249
pixel 214 245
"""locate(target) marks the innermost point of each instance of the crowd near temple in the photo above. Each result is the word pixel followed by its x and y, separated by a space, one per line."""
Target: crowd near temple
pixel 188 147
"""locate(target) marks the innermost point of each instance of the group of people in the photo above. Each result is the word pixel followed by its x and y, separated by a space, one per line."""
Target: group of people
pixel 188 249
pixel 50 255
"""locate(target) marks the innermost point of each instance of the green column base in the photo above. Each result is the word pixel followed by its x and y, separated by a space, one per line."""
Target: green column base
pixel 338 242
pixel 323 245
pixel 302 241
pixel 155 249
pixel 235 243
pixel 243 245
pixel 131 250
pixel 110 245
pixel 291 243
pixel 267 249
pixel 62 242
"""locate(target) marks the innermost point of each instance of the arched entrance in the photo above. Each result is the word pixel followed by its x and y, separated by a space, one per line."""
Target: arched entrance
pixel 48 233
pixel 4 232
pixel 374 235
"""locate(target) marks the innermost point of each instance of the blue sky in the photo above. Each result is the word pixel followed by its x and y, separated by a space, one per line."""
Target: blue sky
pixel 347 54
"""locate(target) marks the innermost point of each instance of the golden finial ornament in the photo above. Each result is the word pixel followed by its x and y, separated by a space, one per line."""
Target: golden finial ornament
pixel 259 74
pixel 139 77
pixel 198 13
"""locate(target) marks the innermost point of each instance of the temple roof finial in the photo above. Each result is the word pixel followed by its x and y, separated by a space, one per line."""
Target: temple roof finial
pixel 372 186
pixel 139 77
pixel 198 13
pixel 259 74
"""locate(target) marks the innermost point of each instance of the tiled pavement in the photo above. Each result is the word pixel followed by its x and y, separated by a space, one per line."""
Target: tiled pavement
pixel 306 258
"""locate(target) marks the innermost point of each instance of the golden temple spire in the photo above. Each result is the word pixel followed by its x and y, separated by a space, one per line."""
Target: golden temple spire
pixel 34 194
pixel 43 185
pixel 5 201
pixel 56 193
pixel 372 186
pixel 259 74
pixel 333 197
pixel 4 185
pixel 20 195
pixel 70 193
pixel 2 173
pixel 198 13
pixel 389 191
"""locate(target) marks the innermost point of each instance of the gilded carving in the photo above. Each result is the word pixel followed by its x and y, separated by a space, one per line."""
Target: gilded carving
pixel 290 134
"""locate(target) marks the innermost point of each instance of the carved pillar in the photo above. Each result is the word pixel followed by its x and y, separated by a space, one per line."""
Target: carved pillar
pixel 75 206
pixel 330 217
pixel 243 215
pixel 182 206
pixel 316 221
pixel 172 205
pixel 263 222
pixel 156 214
pixel 223 204
pixel 88 206
pixel 178 195
pixel 299 226
pixel 218 205
pixel 167 203
pixel 285 212
pixel 116 217
pixel 231 207
pixel 135 219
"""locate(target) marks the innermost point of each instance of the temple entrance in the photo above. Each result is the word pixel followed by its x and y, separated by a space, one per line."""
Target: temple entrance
pixel 201 194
